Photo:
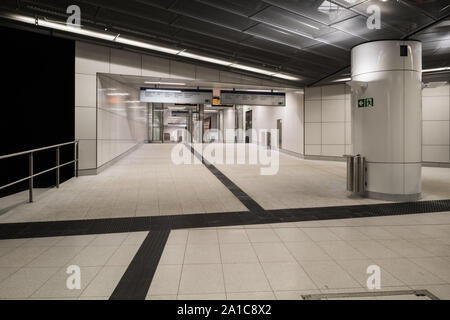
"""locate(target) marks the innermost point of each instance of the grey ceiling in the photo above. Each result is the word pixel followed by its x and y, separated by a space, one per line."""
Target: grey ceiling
pixel 308 38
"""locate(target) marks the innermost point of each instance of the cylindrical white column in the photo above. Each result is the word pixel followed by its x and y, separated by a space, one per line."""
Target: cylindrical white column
pixel 386 116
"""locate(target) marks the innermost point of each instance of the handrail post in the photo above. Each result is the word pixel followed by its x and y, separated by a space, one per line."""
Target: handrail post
pixel 76 158
pixel 30 165
pixel 57 167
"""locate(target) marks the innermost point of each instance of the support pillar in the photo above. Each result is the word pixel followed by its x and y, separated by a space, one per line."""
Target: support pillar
pixel 386 117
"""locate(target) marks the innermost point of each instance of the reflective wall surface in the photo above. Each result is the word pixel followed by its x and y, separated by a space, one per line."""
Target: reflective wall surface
pixel 121 119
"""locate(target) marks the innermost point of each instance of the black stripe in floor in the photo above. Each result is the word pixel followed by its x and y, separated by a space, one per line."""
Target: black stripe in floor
pixel 222 219
pixel 243 197
pixel 136 280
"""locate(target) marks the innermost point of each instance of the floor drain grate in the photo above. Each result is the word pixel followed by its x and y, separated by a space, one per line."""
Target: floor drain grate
pixel 379 295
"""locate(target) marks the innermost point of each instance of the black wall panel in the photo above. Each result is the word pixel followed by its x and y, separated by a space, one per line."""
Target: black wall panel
pixel 37 99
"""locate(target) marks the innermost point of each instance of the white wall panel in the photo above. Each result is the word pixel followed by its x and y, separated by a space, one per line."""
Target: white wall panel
pixel 333 133
pixel 90 58
pixel 155 67
pixel 313 133
pixel 436 124
pixel 125 62
pixel 181 70
pixel 333 150
pixel 314 93
pixel 230 77
pixel 436 153
pixel 333 110
pixel 85 90
pixel 436 132
pixel 438 91
pixel 313 111
pixel 436 108
pixel 85 123
pixel 313 150
pixel 87 150
pixel 207 74
pixel 333 92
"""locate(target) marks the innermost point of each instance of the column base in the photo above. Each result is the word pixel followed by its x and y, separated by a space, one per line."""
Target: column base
pixel 393 197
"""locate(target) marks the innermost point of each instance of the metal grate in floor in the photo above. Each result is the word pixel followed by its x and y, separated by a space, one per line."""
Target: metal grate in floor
pixel 379 295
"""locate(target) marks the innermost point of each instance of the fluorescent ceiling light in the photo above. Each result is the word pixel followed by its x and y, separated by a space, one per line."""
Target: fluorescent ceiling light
pixel 145 45
pixel 165 83
pixel 342 80
pixel 203 58
pixel 80 30
pixel 436 69
pixel 252 69
pixel 285 76
pixel 118 39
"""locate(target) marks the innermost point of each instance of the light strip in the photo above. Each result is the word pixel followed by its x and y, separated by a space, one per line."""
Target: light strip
pixel 203 58
pixel 342 80
pixel 285 76
pixel 436 69
pixel 144 45
pixel 66 28
pixel 252 69
pixel 165 83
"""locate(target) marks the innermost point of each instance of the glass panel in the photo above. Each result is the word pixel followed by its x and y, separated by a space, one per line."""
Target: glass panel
pixel 157 122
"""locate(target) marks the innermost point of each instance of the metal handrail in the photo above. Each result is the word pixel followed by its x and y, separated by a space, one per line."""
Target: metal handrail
pixel 31 176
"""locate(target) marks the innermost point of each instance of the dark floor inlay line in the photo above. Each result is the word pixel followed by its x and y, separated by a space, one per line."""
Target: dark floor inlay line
pixel 219 219
pixel 136 280
pixel 240 194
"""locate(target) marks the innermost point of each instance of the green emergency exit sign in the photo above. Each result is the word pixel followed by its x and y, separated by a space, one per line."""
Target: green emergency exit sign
pixel 366 102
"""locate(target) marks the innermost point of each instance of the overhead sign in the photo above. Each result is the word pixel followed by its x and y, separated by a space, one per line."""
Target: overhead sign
pixel 365 103
pixel 188 96
pixel 217 103
pixel 253 98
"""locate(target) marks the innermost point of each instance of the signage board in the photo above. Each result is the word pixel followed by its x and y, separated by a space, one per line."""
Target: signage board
pixel 365 103
pixel 253 98
pixel 217 103
pixel 188 96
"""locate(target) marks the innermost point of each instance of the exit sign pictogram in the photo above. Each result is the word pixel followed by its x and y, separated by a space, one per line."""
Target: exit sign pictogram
pixel 366 102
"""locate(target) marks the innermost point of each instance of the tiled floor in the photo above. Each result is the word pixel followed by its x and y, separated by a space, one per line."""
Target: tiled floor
pixel 285 261
pixel 145 183
pixel 36 268
pixel 308 183
pixel 271 261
